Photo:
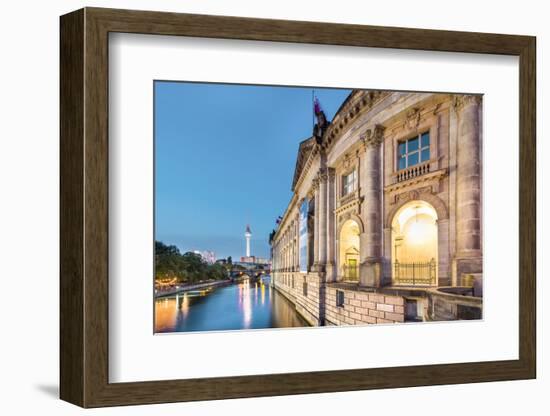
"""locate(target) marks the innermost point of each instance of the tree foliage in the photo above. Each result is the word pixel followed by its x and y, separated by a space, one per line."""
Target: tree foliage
pixel 185 268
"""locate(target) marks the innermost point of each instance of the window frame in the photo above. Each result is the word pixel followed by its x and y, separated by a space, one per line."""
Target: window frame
pixel 405 156
pixel 340 298
pixel 354 183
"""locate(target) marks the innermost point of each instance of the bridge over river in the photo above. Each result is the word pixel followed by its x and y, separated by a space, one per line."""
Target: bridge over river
pixel 239 271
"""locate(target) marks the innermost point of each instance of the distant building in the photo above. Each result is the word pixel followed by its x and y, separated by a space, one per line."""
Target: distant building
pixel 263 260
pixel 207 255
pixel 254 259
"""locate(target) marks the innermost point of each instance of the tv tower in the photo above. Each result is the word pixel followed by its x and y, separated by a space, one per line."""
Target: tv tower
pixel 247 235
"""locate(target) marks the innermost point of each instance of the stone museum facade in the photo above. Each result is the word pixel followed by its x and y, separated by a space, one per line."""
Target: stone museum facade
pixel 384 224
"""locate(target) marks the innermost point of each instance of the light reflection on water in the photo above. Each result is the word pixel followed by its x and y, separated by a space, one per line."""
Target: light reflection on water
pixel 244 305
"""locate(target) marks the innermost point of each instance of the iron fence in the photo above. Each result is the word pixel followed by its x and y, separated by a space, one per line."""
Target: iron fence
pixel 415 273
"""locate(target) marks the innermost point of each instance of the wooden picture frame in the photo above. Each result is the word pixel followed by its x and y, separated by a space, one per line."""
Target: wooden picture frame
pixel 84 207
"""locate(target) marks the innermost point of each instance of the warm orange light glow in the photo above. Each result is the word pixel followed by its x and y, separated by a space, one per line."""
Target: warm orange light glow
pixel 164 314
pixel 349 243
pixel 419 232
pixel 414 233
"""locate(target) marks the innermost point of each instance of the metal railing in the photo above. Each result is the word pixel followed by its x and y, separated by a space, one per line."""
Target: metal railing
pixel 351 272
pixel 415 273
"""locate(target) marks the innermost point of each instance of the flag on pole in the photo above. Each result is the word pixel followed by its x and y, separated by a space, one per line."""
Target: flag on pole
pixel 317 106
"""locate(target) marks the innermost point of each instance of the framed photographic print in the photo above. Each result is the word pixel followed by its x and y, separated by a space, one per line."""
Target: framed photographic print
pixel 255 207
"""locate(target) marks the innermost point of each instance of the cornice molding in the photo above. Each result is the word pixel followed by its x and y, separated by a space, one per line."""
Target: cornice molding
pixel 361 101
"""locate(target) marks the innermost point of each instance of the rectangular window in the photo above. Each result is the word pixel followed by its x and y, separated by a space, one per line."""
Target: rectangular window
pixel 340 298
pixel 349 182
pixel 413 151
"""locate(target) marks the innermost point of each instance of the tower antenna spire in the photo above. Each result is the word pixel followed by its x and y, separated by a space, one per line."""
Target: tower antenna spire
pixel 247 235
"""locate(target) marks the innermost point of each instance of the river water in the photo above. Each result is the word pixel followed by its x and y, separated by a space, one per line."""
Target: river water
pixel 243 305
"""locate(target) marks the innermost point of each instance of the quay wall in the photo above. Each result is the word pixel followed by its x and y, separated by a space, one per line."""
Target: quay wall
pixel 316 301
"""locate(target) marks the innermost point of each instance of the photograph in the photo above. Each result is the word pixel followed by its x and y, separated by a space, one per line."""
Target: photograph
pixel 291 206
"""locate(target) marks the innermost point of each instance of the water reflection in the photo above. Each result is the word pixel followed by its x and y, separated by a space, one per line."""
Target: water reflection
pixel 244 305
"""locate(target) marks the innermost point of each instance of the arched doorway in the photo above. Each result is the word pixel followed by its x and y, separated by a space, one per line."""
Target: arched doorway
pixel 349 247
pixel 414 244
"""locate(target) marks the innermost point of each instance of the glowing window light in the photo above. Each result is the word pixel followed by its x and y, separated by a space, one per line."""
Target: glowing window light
pixel 419 232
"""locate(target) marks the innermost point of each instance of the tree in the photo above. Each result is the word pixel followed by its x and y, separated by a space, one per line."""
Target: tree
pixel 185 268
pixel 194 266
pixel 163 250
pixel 167 262
pixel 217 272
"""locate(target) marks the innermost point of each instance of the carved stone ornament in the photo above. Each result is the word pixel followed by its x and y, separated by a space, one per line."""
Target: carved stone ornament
pixel 347 161
pixel 464 100
pixel 412 194
pixel 344 217
pixel 322 176
pixel 315 183
pixel 374 137
pixel 412 119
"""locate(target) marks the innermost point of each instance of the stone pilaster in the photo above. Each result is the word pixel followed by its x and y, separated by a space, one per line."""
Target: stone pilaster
pixel 371 239
pixel 297 234
pixel 468 186
pixel 331 226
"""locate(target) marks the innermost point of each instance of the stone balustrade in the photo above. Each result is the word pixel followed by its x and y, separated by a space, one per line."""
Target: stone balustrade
pixel 412 172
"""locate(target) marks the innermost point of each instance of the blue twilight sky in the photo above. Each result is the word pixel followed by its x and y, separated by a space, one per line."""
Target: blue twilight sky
pixel 225 157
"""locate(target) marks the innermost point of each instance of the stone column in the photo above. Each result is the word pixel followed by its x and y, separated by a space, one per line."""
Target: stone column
pixel 283 264
pixel 280 256
pixel 316 225
pixel 287 254
pixel 468 188
pixel 322 219
pixel 298 239
pixel 289 251
pixel 371 241
pixel 331 223
pixel 443 277
pixel 275 264
pixel 283 256
pixel 294 250
pixel 387 258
